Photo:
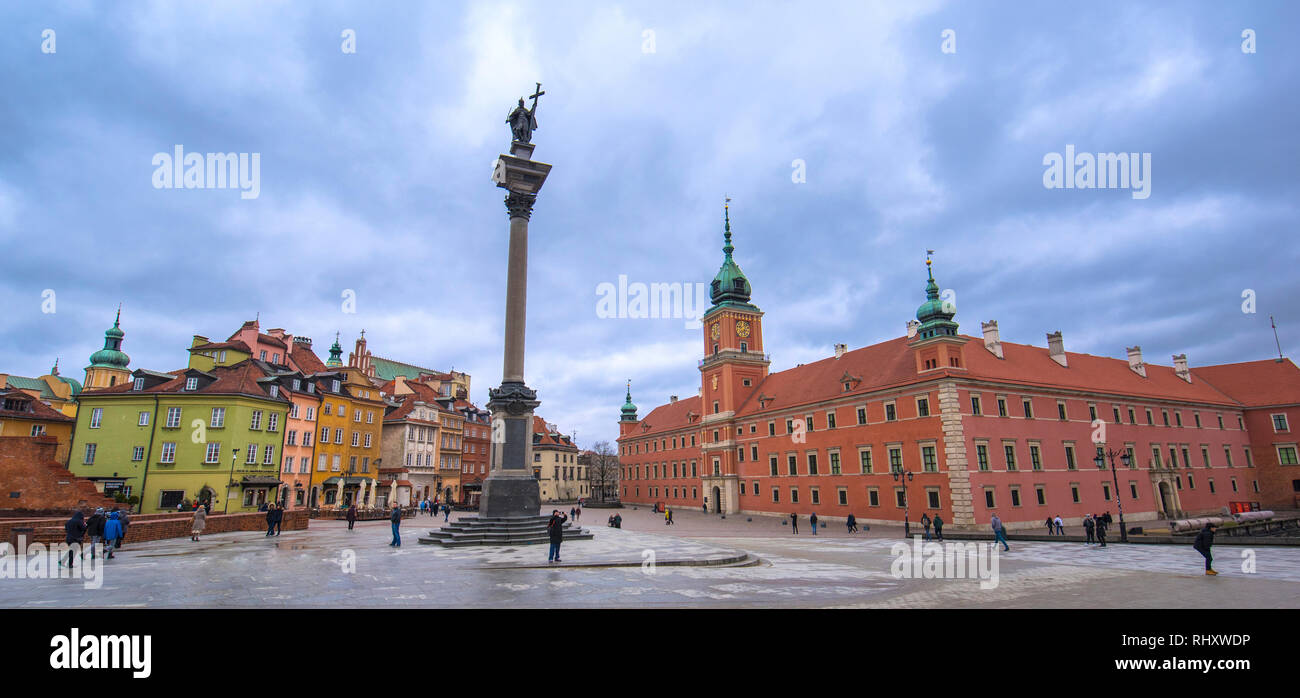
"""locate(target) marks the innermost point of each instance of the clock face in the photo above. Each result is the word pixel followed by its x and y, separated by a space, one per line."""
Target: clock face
pixel 715 331
pixel 742 329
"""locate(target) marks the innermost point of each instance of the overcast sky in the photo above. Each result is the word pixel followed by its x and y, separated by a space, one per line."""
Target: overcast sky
pixel 375 177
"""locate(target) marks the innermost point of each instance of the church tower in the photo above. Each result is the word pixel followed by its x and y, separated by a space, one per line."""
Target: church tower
pixel 360 356
pixel 108 366
pixel 732 368
pixel 336 354
pixel 936 344
pixel 627 420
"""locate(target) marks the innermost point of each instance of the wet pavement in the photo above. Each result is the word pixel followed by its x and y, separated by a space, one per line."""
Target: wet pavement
pixel 329 566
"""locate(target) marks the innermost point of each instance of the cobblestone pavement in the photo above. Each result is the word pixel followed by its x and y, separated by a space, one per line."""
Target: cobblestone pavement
pixel 310 569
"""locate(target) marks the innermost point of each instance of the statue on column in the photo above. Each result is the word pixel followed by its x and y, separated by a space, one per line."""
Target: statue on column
pixel 523 121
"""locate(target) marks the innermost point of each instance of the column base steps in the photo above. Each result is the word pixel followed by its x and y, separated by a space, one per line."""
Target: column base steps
pixel 525 530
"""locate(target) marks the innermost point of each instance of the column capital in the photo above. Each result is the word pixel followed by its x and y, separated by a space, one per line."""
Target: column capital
pixel 520 205
pixel 512 398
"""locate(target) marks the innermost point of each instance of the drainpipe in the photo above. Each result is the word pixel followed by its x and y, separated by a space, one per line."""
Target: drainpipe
pixel 149 457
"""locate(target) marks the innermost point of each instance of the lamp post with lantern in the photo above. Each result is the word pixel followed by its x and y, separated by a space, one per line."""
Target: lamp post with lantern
pixel 904 476
pixel 1100 460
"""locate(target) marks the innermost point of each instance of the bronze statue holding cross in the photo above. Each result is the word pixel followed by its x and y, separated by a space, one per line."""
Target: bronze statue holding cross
pixel 523 121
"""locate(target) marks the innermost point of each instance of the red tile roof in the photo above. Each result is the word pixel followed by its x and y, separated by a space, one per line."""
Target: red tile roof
pixel 236 344
pixel 540 429
pixel 891 363
pixel 241 378
pixel 305 360
pixel 36 408
pixel 1256 383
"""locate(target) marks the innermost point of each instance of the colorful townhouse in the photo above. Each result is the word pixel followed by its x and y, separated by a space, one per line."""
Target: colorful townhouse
pixel 943 423
pixel 55 391
pixel 23 415
pixel 476 451
pixel 212 436
pixel 412 443
pixel 349 430
pixel 555 465
pixel 299 448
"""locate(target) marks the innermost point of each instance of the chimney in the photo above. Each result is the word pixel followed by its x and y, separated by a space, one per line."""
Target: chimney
pixel 911 328
pixel 1180 367
pixel 1135 361
pixel 840 349
pixel 1056 347
pixel 992 340
pixel 672 399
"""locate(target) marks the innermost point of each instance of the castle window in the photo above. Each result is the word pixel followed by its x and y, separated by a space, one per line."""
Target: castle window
pixel 744 346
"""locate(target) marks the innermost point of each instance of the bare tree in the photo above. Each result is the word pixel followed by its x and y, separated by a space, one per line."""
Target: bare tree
pixel 602 471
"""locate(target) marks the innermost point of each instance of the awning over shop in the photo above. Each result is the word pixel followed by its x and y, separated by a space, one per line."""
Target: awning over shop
pixel 259 481
pixel 347 481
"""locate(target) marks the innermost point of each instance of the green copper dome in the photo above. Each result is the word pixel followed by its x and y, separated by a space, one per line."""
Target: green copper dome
pixel 629 410
pixel 729 287
pixel 336 353
pixel 112 356
pixel 935 315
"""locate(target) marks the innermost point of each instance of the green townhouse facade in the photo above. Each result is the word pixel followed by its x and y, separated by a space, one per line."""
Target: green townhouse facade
pixel 212 436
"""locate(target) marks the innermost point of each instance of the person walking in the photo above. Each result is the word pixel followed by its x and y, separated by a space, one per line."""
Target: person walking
pixel 669 514
pixel 999 533
pixel 555 530
pixel 1101 530
pixel 200 522
pixel 446 513
pixel 938 527
pixel 1202 544
pixel 112 531
pixel 279 517
pixel 1049 526
pixel 925 521
pixel 1088 527
pixel 396 519
pixel 1060 526
pixel 794 523
pixel 124 517
pixel 352 516
pixel 74 532
pixel 812 522
pixel 95 529
pixel 573 512
pixel 851 523
pixel 578 515
pixel 270 520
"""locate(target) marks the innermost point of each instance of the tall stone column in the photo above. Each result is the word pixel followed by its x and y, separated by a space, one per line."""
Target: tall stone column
pixel 510 489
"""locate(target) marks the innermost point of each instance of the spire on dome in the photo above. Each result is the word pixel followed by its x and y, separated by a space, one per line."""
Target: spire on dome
pixel 629 410
pixel 730 285
pixel 336 354
pixel 934 314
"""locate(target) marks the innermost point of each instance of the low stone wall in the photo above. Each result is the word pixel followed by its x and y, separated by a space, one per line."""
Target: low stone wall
pixel 147 527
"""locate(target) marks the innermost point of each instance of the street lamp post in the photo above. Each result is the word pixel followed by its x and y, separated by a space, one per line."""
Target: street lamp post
pixel 1100 460
pixel 234 454
pixel 904 476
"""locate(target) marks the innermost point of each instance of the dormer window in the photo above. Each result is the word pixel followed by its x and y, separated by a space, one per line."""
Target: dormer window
pixel 334 384
pixel 139 384
pixel 191 384
pixel 297 384
pixel 223 356
pixel 262 355
pixel 739 284
pixel 275 391
pixel 311 387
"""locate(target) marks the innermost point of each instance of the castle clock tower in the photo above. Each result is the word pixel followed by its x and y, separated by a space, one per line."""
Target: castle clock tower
pixel 732 368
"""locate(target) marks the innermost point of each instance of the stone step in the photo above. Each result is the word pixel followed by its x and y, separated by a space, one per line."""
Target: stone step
pixel 462 539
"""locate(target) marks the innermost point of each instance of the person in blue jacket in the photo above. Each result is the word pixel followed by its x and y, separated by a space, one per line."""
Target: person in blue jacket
pixel 112 532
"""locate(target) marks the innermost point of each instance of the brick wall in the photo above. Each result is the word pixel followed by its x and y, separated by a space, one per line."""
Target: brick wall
pixel 147 527
pixel 31 480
